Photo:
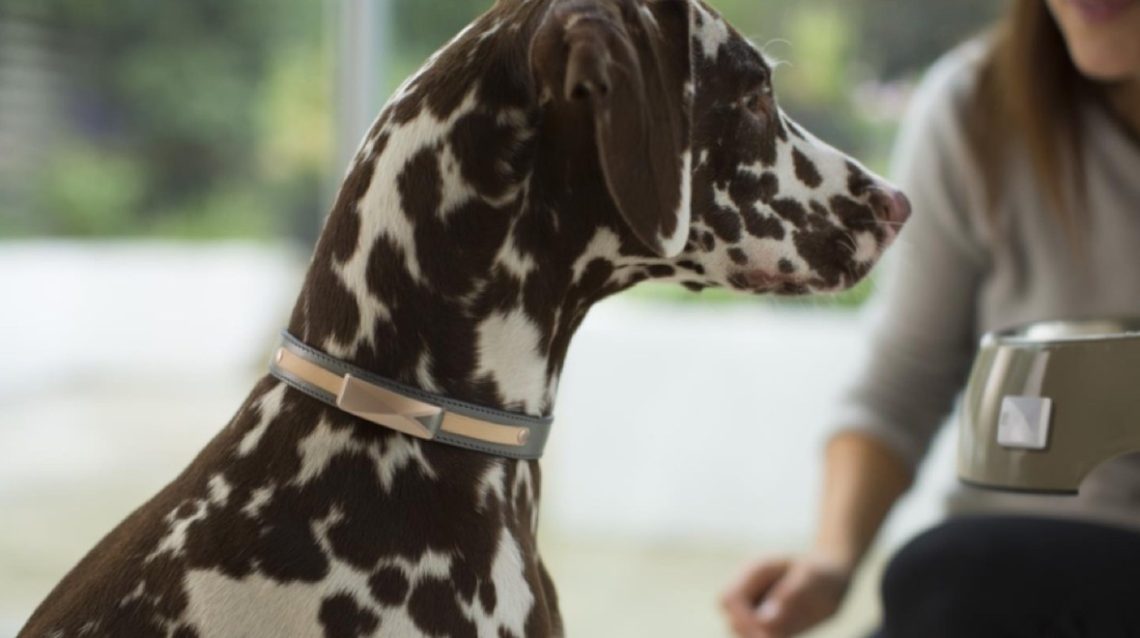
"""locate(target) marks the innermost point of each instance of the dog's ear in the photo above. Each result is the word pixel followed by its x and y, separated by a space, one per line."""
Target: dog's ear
pixel 628 62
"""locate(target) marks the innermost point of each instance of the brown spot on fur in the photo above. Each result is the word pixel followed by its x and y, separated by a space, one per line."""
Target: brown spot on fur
pixel 769 186
pixel 389 586
pixel 343 224
pixel 492 155
pixel 420 185
pixel 725 223
pixel 470 235
pixel 746 189
pixel 790 210
pixel 818 250
pixel 690 265
pixel 805 169
pixel 855 215
pixel 857 181
pixel 186 510
pixel 434 609
pixel 343 618
pixel 338 315
pixel 760 225
pixel 487 596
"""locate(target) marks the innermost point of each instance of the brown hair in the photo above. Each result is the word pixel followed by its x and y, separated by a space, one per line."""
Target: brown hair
pixel 1029 92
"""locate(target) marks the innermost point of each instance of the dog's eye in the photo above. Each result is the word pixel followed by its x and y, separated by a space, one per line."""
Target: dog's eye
pixel 757 101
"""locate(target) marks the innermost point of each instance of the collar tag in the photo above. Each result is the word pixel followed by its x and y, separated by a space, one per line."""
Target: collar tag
pixel 384 407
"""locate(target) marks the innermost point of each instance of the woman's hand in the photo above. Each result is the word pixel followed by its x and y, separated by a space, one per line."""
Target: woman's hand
pixel 779 597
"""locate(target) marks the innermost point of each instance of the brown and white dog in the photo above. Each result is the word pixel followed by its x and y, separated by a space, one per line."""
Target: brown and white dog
pixel 555 152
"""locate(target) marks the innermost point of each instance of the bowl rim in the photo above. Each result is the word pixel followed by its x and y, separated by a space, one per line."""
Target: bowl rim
pixel 1062 331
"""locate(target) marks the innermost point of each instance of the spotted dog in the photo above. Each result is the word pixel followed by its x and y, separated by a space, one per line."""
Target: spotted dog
pixel 553 153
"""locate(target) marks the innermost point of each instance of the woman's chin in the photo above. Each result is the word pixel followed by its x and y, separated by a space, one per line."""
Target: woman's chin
pixel 1105 67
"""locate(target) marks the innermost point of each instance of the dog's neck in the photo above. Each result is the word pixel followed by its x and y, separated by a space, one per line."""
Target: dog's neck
pixel 468 240
pixel 472 313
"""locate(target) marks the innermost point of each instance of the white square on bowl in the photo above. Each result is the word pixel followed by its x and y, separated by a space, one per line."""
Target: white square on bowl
pixel 1024 422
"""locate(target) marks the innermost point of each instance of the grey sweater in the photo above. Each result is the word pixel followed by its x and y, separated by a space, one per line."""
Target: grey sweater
pixel 952 281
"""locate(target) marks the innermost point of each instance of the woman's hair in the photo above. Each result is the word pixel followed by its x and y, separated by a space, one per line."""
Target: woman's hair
pixel 1029 92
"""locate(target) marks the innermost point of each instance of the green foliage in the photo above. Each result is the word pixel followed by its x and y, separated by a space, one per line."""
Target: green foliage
pixel 204 118
pixel 238 211
pixel 420 27
pixel 822 44
pixel 91 192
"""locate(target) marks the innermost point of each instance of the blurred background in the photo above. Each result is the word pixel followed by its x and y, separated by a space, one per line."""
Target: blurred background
pixel 164 169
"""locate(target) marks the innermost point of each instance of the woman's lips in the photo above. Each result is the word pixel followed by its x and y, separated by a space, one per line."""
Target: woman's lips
pixel 1101 10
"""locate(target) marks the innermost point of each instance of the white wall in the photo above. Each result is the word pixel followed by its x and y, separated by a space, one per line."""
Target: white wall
pixel 706 422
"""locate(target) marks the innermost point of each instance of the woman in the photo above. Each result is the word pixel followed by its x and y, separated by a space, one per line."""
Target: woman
pixel 1021 155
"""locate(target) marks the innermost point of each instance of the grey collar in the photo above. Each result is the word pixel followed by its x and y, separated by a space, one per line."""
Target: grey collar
pixel 406 409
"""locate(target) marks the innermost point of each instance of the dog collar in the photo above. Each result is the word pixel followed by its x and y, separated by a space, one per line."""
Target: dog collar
pixel 406 409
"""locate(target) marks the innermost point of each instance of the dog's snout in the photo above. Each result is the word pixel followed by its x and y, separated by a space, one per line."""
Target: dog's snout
pixel 889 204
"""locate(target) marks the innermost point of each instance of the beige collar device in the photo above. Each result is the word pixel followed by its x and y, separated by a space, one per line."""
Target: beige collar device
pixel 412 411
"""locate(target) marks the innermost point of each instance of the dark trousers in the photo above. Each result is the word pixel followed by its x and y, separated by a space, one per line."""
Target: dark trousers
pixel 1014 577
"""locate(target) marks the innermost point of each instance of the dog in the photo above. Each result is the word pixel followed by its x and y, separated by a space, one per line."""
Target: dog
pixel 553 153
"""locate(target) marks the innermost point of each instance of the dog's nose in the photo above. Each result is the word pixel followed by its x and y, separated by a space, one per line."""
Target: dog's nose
pixel 889 204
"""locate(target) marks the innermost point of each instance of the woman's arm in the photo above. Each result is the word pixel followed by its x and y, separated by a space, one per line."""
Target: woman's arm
pixel 862 480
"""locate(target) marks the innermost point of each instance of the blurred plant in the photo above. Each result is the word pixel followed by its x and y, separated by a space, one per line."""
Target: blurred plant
pixel 92 192
pixel 190 119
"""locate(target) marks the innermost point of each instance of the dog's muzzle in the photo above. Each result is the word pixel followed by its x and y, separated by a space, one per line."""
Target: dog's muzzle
pixel 405 409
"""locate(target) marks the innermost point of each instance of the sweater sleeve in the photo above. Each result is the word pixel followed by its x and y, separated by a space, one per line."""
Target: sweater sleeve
pixel 924 333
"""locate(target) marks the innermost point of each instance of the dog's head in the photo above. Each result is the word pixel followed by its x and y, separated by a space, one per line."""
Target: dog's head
pixel 558 151
pixel 702 166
